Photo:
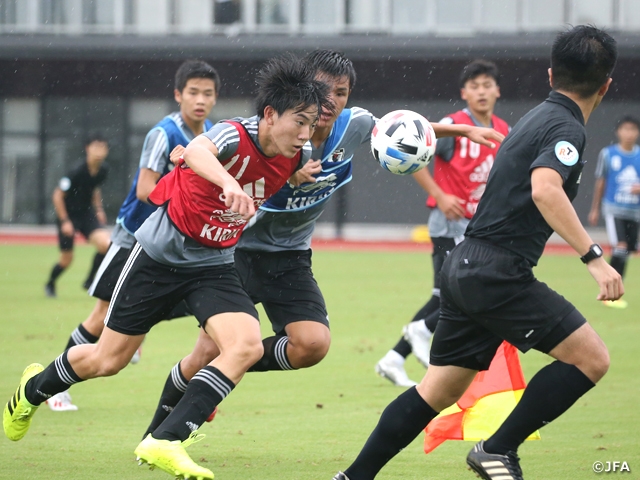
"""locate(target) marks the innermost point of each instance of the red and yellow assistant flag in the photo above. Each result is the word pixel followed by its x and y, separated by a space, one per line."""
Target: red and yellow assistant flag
pixel 490 398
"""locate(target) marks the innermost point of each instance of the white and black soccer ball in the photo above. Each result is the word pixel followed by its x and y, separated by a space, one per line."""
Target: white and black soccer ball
pixel 403 142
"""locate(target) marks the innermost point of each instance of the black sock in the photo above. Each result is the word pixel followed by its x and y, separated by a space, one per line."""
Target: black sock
pixel 400 423
pixel 56 378
pixel 275 355
pixel 549 394
pixel 428 308
pixel 80 336
pixel 204 392
pixel 402 347
pixel 97 260
pixel 432 320
pixel 173 391
pixel 619 260
pixel 56 272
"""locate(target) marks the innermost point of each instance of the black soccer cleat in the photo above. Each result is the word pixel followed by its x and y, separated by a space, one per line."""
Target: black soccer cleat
pixel 340 476
pixel 491 466
pixel 50 290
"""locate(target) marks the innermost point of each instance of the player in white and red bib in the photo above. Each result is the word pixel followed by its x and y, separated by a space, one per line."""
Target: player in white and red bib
pixel 460 173
pixel 185 252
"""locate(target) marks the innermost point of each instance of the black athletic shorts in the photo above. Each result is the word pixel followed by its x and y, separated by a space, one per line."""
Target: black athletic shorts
pixel 85 223
pixel 622 230
pixel 489 294
pixel 147 292
pixel 283 282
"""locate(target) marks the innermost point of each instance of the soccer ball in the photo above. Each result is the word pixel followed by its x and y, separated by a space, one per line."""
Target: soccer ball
pixel 403 142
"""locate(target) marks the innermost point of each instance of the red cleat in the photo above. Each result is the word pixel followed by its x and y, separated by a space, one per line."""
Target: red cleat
pixel 213 415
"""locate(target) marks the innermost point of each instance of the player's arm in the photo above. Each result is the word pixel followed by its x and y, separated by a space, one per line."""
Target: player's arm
pixel 483 136
pixel 450 205
pixel 61 212
pixel 556 208
pixel 598 191
pixel 147 180
pixel 201 156
pixel 96 201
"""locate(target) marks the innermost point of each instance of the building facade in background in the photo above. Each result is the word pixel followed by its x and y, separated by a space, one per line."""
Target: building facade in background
pixel 71 67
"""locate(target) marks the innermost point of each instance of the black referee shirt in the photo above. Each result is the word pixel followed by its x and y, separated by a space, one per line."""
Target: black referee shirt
pixel 551 135
pixel 78 186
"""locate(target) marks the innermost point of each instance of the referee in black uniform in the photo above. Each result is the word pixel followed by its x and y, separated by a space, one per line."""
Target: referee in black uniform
pixel 78 204
pixel 488 290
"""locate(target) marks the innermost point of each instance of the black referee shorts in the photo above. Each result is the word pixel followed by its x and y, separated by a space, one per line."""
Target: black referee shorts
pixel 489 294
pixel 85 223
pixel 147 292
pixel 283 282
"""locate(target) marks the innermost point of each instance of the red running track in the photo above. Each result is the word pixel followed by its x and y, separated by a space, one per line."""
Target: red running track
pixel 319 245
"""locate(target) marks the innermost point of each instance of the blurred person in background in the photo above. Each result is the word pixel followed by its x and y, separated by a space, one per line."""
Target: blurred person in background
pixel 77 201
pixel 617 190
pixel 460 173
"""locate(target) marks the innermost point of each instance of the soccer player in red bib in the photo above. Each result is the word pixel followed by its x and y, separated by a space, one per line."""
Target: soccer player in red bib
pixel 185 252
pixel 460 173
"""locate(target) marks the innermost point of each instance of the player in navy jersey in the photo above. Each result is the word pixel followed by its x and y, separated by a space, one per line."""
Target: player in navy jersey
pixel 184 251
pixel 196 90
pixel 461 169
pixel 273 257
pixel 78 204
pixel 617 188
pixel 488 290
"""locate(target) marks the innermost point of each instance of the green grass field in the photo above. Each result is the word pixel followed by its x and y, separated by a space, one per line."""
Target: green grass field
pixel 304 424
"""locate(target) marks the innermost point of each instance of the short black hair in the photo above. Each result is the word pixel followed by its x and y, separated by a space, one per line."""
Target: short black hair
pixel 95 137
pixel 287 82
pixel 628 119
pixel 332 63
pixel 196 69
pixel 582 60
pixel 477 68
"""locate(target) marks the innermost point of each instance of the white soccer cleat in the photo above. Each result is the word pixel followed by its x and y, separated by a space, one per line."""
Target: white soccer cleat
pixel 419 337
pixel 393 370
pixel 61 402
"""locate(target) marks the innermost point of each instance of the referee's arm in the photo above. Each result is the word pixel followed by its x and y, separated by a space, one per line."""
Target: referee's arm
pixel 554 205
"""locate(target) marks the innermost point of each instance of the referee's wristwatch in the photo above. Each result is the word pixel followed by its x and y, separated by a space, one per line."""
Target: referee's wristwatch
pixel 595 251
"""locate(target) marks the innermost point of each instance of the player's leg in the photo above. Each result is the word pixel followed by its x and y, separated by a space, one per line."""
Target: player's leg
pixel 460 349
pixel 75 365
pixel 416 336
pixel 66 257
pixel 204 351
pixel 582 360
pixel 283 282
pixel 98 237
pixel 229 317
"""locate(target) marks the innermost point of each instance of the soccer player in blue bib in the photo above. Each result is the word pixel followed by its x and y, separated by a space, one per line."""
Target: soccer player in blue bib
pixel 196 89
pixel 617 188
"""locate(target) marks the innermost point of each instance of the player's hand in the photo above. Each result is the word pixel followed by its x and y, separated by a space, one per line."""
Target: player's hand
pixel 609 281
pixel 102 217
pixel 67 228
pixel 635 189
pixel 238 201
pixel 176 154
pixel 306 173
pixel 594 216
pixel 484 136
pixel 451 206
